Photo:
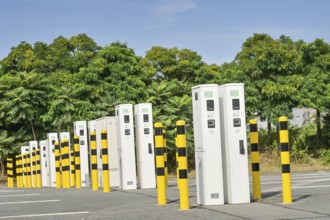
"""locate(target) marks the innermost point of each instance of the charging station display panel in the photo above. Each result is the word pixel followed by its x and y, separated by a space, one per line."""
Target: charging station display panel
pixel 109 124
pixel 126 145
pixel 234 144
pixel 51 139
pixel 145 145
pixel 44 162
pixel 80 129
pixel 208 155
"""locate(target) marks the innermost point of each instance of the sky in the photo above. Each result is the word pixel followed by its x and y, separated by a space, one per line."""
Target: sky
pixel 215 29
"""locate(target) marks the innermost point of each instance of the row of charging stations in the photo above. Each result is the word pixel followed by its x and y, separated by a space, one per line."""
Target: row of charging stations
pixel 125 165
pixel 220 144
pixel 128 168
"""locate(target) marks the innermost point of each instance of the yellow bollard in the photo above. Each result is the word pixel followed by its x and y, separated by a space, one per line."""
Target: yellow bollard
pixel 95 184
pixel 160 170
pixel 165 158
pixel 255 160
pixel 105 161
pixel 34 168
pixel 176 159
pixel 77 161
pixel 9 172
pixel 25 171
pixel 285 160
pixel 38 167
pixel 58 165
pixel 21 171
pixel 29 179
pixel 17 170
pixel 66 167
pixel 73 178
pixel 183 164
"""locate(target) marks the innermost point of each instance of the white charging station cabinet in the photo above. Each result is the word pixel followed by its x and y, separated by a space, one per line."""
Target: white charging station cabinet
pixel 208 154
pixel 145 145
pixel 24 150
pixel 234 145
pixel 80 129
pixel 109 124
pixel 44 163
pixel 51 139
pixel 126 145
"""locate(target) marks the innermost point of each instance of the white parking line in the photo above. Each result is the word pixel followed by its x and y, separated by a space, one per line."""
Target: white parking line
pixel 47 214
pixel 23 202
pixel 304 187
pixel 34 194
pixel 7 191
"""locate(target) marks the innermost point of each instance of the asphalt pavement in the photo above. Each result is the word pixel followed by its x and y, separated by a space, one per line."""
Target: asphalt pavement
pixel 310 191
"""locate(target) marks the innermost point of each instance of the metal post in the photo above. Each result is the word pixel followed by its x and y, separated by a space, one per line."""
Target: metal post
pixel 38 168
pixel 66 167
pixel 255 160
pixel 25 170
pixel 105 161
pixel 57 164
pixel 160 170
pixel 17 170
pixel 29 180
pixel 9 172
pixel 73 177
pixel 95 184
pixel 285 160
pixel 77 161
pixel 165 158
pixel 183 164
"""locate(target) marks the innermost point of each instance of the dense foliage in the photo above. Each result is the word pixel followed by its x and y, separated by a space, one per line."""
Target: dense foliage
pixel 44 88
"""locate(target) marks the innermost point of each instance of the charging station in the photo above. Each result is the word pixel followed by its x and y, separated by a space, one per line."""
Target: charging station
pixel 109 124
pixel 145 145
pixel 33 146
pixel 80 129
pixel 233 141
pixel 208 155
pixel 51 139
pixel 44 162
pixel 126 145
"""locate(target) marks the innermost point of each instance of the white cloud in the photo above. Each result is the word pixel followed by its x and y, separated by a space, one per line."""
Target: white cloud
pixel 174 7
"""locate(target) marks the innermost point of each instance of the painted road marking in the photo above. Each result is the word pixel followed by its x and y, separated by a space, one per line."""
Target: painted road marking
pixel 34 194
pixel 7 191
pixel 23 202
pixel 47 214
pixel 303 187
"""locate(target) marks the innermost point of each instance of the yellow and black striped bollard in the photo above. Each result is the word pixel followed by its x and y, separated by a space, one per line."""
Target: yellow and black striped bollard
pixel 28 164
pixel 285 160
pixel 38 162
pixel 105 161
pixel 34 168
pixel 25 170
pixel 160 169
pixel 17 170
pixel 58 165
pixel 183 165
pixel 73 177
pixel 165 158
pixel 62 163
pixel 176 158
pixel 95 184
pixel 77 161
pixel 255 159
pixel 9 172
pixel 66 170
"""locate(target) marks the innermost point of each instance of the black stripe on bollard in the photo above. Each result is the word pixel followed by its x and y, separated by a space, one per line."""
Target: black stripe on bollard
pixel 284 147
pixel 253 128
pixel 93 152
pixel 93 137
pixel 285 168
pixel 255 167
pixel 76 140
pixel 183 174
pixel 180 129
pixel 254 148
pixel 104 151
pixel 105 166
pixel 159 151
pixel 94 166
pixel 283 125
pixel 77 166
pixel 158 132
pixel 182 152
pixel 104 136
pixel 160 171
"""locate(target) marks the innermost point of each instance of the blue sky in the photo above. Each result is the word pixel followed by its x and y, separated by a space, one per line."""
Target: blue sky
pixel 215 29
